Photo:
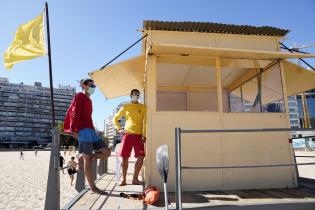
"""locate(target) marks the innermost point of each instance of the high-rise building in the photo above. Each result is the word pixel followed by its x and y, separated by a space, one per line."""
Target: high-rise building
pixel 310 100
pixel 109 129
pixel 112 134
pixel 25 112
pixel 294 112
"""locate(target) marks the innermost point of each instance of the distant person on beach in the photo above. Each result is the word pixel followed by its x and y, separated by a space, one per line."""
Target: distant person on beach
pixel 78 122
pixel 35 151
pixel 21 155
pixel 72 165
pixel 133 135
pixel 61 162
pixel 65 150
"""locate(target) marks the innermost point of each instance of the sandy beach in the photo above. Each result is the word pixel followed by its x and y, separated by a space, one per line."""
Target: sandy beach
pixel 23 182
pixel 307 171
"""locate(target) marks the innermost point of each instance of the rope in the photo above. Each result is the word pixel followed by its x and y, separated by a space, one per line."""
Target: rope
pixel 285 47
pixel 123 52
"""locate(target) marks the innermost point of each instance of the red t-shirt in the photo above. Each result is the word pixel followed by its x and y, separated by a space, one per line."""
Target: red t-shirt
pixel 79 114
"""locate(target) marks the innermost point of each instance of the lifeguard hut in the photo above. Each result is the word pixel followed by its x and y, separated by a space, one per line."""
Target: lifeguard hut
pixel 214 76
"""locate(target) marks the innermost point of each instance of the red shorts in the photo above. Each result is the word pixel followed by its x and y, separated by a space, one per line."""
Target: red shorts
pixel 130 141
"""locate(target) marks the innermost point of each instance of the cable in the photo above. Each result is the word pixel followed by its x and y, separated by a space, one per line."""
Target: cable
pixel 123 52
pixel 285 47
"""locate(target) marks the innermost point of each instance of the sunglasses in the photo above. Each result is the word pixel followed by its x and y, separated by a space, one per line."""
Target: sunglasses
pixel 92 86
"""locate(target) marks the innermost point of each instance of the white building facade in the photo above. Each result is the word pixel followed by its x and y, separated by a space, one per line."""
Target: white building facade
pixel 25 112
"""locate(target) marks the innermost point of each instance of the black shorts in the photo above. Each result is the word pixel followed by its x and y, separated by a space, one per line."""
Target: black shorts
pixel 88 147
pixel 71 171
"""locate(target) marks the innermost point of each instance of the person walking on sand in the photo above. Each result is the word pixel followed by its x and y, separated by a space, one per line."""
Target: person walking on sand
pixel 21 155
pixel 133 135
pixel 61 162
pixel 65 151
pixel 78 122
pixel 72 165
pixel 35 152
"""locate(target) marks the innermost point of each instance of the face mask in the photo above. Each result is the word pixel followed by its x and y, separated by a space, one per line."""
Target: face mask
pixel 134 98
pixel 90 90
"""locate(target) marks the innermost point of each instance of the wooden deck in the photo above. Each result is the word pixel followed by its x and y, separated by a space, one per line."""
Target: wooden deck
pixel 89 200
pixel 302 198
pixel 296 199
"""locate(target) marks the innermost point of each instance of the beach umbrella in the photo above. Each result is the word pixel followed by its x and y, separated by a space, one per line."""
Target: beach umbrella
pixel 162 162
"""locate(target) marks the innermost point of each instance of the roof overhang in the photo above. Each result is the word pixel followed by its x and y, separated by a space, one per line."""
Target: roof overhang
pixel 297 78
pixel 188 50
pixel 119 79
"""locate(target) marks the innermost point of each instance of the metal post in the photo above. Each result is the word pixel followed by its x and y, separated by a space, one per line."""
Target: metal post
pixel 165 196
pixel 102 167
pixel 53 184
pixel 105 165
pixel 50 70
pixel 94 164
pixel 52 200
pixel 80 182
pixel 178 168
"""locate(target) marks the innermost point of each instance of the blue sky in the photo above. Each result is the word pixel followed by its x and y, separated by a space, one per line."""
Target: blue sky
pixel 87 34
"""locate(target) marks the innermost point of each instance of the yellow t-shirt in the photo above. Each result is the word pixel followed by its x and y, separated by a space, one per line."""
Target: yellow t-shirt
pixel 135 115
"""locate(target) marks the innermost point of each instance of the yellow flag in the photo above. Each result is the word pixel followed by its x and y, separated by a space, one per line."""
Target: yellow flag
pixel 28 43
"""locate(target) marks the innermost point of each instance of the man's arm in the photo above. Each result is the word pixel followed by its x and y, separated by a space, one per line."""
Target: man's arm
pixel 117 116
pixel 76 113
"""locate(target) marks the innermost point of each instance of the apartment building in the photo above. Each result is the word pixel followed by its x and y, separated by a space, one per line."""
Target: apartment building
pixel 25 112
pixel 112 134
pixel 310 100
pixel 294 112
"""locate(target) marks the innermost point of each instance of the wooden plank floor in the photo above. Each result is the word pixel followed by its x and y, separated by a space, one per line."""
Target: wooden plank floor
pixel 112 199
pixel 244 198
pixel 252 199
pixel 302 198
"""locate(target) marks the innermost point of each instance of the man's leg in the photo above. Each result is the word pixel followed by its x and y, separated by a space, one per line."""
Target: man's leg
pixel 71 178
pixel 139 154
pixel 85 149
pixel 102 153
pixel 80 161
pixel 124 166
pixel 138 166
pixel 88 174
pixel 124 153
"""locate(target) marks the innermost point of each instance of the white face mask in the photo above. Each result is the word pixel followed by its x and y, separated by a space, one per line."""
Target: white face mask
pixel 90 90
pixel 134 98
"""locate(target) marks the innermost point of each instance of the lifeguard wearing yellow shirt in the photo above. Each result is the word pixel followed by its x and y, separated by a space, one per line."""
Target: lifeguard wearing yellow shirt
pixel 133 135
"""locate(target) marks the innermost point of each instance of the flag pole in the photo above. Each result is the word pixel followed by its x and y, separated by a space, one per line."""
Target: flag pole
pixel 50 69
pixel 52 200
